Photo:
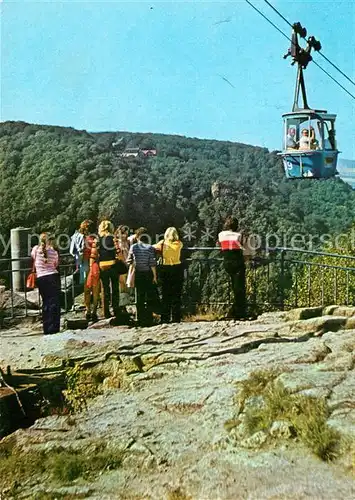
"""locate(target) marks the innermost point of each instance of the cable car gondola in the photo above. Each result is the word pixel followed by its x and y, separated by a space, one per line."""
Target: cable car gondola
pixel 309 145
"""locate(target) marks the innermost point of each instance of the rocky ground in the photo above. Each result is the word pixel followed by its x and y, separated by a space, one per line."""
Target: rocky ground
pixel 169 405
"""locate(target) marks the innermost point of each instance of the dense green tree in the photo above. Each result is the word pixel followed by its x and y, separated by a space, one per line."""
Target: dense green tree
pixel 53 177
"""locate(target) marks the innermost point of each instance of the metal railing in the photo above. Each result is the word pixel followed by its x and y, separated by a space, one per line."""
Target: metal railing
pixel 21 304
pixel 277 279
pixel 281 278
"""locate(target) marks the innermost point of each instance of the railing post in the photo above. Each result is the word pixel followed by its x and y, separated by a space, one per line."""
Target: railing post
pixel 309 284
pixel 282 294
pixel 73 289
pixel 322 290
pixel 65 290
pixel 296 286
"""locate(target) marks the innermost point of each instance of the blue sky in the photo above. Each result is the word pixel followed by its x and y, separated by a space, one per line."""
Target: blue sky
pixel 161 66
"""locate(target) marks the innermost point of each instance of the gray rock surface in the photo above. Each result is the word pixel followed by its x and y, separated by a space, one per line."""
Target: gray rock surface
pixel 179 389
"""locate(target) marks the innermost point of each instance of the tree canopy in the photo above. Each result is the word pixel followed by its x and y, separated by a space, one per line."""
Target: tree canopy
pixel 53 177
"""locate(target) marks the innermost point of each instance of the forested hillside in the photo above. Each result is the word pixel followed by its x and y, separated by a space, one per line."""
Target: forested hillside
pixel 53 177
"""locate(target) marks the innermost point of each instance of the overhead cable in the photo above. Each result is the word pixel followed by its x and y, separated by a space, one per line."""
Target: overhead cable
pixel 268 20
pixel 288 38
pixel 319 52
pixel 334 80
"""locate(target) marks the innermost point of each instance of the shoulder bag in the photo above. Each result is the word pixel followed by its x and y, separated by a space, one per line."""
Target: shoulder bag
pixel 31 278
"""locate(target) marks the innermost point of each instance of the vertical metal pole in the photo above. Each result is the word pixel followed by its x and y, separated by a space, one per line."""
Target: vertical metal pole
pixel 282 292
pixel 187 281
pixel 268 283
pixel 65 291
pixel 296 288
pixel 335 286
pixel 208 280
pixel 347 288
pixel 200 279
pixel 12 293
pixel 73 289
pixel 309 285
pixel 255 287
pixel 322 285
pixel 25 289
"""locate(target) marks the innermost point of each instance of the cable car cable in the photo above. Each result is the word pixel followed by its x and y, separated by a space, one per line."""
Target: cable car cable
pixel 319 52
pixel 289 39
pixel 279 13
pixel 334 80
pixel 268 20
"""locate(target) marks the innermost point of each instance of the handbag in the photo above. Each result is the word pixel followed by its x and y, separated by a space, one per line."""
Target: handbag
pixel 31 278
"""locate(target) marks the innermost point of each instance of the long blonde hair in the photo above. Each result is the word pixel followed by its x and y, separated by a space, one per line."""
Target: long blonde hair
pixel 105 228
pixel 171 234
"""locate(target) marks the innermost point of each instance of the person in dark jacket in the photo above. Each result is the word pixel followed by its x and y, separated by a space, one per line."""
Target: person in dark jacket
pixel 230 241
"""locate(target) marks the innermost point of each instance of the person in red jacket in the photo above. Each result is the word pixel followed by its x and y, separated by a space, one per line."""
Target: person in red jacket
pixel 92 286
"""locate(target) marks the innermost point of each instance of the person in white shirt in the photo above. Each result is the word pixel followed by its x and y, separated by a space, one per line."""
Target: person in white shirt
pixel 308 141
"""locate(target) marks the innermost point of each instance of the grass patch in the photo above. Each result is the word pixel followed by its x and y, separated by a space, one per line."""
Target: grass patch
pixel 16 469
pixel 255 385
pixel 61 466
pixel 66 466
pixel 204 314
pixel 307 416
pixel 178 494
pixel 82 384
pixel 6 447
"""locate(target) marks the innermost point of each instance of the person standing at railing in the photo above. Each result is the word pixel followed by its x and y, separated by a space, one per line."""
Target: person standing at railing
pixel 80 247
pixel 46 260
pixel 142 256
pixel 106 257
pixel 92 286
pixel 171 274
pixel 76 249
pixel 122 246
pixel 231 242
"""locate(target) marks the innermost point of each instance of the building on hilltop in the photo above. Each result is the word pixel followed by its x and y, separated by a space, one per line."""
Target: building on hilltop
pixel 137 152
pixel 149 152
pixel 131 153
